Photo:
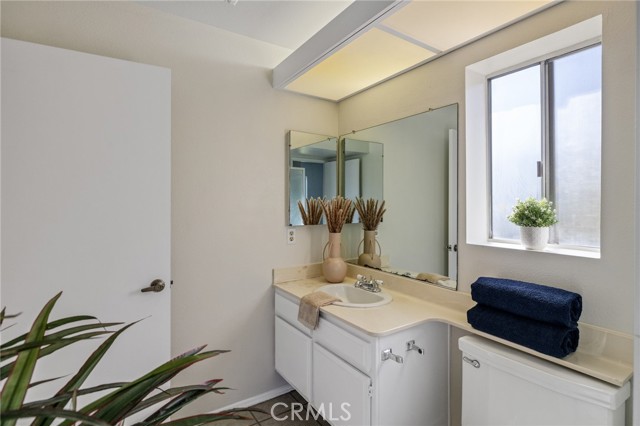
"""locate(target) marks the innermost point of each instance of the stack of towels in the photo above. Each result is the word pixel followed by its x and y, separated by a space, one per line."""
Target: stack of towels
pixel 536 316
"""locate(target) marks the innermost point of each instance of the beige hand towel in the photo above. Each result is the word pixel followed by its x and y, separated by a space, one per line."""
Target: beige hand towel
pixel 430 277
pixel 309 310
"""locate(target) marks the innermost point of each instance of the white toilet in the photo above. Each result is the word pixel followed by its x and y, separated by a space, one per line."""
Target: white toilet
pixel 503 386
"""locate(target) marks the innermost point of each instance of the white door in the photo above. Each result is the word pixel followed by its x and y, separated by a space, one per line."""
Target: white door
pixel 86 200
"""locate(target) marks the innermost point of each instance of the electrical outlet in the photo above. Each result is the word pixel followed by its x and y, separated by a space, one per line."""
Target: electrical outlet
pixel 291 236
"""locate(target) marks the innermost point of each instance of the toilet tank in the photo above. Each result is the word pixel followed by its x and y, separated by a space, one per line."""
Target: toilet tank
pixel 504 386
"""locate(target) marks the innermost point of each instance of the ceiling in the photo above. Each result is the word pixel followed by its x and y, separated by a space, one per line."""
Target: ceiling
pixel 284 23
pixel 339 48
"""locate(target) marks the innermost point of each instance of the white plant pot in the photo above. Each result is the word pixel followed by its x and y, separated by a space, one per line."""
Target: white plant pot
pixel 534 238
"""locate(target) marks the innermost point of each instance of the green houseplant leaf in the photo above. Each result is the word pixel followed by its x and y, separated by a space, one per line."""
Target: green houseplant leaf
pixel 20 356
pixel 113 406
pixel 19 377
pixel 533 213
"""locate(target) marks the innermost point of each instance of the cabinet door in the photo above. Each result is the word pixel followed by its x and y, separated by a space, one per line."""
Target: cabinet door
pixel 415 392
pixel 293 357
pixel 340 392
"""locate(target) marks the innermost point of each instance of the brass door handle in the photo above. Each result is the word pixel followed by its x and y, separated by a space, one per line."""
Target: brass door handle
pixel 156 286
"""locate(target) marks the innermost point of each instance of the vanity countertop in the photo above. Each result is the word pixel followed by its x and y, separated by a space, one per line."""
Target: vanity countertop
pixel 604 354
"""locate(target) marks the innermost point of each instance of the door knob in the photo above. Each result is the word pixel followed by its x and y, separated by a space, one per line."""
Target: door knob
pixel 156 286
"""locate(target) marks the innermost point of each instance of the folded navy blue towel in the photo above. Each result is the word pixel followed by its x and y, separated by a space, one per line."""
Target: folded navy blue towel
pixel 549 339
pixel 535 301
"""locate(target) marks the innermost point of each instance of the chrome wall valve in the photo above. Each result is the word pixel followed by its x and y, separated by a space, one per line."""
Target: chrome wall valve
pixel 411 346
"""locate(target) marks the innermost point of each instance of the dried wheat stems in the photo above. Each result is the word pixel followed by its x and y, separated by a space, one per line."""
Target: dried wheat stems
pixel 336 212
pixel 370 213
pixel 313 212
pixel 351 212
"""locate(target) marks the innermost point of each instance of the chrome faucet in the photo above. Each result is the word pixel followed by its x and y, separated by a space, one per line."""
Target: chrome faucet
pixel 368 284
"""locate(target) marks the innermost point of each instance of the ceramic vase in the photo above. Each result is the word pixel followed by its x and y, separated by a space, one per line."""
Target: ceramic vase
pixel 369 257
pixel 534 238
pixel 334 268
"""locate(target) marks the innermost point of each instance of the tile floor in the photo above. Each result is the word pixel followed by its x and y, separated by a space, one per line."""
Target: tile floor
pixel 282 408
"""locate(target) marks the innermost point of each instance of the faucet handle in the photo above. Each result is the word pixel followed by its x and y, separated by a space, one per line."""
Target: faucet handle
pixel 360 277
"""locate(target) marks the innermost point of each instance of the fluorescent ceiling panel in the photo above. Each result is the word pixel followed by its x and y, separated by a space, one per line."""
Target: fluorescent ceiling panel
pixel 447 24
pixel 367 60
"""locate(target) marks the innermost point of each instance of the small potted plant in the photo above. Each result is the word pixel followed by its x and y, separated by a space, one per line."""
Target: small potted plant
pixel 534 217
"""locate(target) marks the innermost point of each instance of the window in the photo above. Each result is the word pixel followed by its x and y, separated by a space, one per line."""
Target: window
pixel 533 128
pixel 544 127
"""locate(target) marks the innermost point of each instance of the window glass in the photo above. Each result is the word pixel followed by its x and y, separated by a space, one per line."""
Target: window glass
pixel 575 83
pixel 552 107
pixel 516 144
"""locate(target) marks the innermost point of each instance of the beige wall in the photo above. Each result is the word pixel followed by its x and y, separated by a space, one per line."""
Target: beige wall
pixel 607 284
pixel 228 128
pixel 228 135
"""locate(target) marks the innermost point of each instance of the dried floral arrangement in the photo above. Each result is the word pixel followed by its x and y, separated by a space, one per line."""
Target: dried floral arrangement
pixel 313 212
pixel 370 213
pixel 336 212
pixel 351 213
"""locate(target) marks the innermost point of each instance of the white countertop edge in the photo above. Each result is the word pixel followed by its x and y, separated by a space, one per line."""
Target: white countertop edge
pixel 604 354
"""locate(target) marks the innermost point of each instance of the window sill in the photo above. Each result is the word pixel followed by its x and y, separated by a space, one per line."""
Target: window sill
pixel 551 249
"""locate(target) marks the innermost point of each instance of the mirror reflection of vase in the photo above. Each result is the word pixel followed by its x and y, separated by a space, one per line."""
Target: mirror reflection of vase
pixel 369 257
pixel 334 268
pixel 416 174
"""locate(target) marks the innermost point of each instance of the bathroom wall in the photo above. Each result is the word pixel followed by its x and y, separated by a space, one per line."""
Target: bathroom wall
pixel 606 284
pixel 228 167
pixel 223 108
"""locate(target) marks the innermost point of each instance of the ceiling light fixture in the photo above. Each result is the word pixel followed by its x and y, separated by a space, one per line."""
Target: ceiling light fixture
pixel 373 41
pixel 345 28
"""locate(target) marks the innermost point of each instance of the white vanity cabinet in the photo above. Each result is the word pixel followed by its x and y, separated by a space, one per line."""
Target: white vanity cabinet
pixel 340 369
pixel 293 347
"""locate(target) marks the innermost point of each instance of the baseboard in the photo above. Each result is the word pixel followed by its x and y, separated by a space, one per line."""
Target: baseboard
pixel 258 398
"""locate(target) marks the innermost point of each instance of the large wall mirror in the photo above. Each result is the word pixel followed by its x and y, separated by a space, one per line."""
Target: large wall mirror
pixel 418 235
pixel 411 163
pixel 362 163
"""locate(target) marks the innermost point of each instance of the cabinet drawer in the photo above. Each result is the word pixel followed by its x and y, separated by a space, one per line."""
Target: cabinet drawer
pixel 352 349
pixel 288 310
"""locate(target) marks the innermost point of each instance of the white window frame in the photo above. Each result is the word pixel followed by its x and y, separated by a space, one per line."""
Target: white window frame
pixel 477 136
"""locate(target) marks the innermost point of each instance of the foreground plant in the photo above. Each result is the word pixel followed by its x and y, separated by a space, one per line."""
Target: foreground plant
pixel 19 358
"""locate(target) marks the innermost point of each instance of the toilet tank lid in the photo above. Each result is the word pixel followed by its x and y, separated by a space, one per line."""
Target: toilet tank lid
pixel 543 373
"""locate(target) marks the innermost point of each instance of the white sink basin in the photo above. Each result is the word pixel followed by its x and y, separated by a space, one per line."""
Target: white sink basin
pixel 353 297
